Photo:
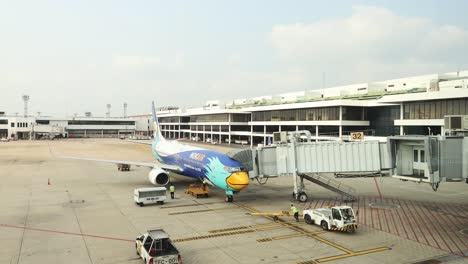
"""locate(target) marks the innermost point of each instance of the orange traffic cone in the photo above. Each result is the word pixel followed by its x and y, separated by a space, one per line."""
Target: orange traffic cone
pixel 48 181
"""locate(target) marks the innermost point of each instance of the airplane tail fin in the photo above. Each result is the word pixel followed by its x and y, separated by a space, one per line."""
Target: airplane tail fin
pixel 156 129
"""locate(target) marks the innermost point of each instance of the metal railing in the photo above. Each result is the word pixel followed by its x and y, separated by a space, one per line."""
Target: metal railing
pixel 331 184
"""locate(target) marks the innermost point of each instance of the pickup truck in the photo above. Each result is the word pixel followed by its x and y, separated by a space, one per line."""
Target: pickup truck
pixel 339 218
pixel 155 247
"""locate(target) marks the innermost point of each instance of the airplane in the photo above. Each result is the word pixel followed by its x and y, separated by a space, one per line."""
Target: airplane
pixel 216 168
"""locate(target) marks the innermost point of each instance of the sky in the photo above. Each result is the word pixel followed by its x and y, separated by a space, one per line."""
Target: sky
pixel 77 56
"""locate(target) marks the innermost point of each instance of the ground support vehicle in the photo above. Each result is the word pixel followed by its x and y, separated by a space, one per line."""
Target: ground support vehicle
pixel 336 218
pixel 155 247
pixel 197 190
pixel 154 195
pixel 123 167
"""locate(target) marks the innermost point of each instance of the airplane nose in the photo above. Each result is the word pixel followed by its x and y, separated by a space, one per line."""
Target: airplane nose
pixel 238 180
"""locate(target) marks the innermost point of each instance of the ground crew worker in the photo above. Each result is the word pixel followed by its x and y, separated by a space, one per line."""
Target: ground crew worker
pixel 295 212
pixel 204 184
pixel 172 190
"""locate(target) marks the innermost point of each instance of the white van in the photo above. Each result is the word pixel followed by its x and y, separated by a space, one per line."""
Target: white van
pixel 153 195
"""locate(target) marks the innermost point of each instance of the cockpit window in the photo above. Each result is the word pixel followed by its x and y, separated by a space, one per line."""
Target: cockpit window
pixel 232 169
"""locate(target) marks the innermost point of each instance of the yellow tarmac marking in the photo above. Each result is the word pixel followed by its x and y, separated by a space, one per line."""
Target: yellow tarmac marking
pixel 297 235
pixel 259 227
pixel 188 205
pixel 289 236
pixel 213 235
pixel 200 211
pixel 276 227
pixel 353 254
pixel 308 262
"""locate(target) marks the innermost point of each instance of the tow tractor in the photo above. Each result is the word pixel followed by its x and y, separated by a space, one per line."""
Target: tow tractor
pixel 155 247
pixel 337 218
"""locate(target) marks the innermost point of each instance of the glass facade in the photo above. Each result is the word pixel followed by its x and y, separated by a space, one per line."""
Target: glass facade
pixel 240 117
pixel 240 128
pixel 210 118
pixel 354 113
pixel 100 122
pixel 43 122
pixel 168 119
pixel 258 129
pixel 311 129
pixel 422 130
pixel 310 114
pixel 382 120
pixel 3 122
pixel 436 109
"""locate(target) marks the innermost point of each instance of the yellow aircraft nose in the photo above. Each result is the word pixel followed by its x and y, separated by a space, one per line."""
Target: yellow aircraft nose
pixel 238 180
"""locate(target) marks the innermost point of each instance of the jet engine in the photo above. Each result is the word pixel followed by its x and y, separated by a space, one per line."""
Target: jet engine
pixel 158 177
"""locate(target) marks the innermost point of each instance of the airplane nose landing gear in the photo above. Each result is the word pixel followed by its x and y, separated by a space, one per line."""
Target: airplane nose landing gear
pixel 229 196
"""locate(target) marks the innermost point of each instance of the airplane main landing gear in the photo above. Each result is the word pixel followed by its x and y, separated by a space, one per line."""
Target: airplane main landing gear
pixel 229 198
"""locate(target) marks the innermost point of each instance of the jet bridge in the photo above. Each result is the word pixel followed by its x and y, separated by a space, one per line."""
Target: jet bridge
pixel 295 154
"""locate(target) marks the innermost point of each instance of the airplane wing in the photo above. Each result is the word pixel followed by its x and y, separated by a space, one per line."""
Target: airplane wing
pixel 150 142
pixel 135 163
pixel 141 142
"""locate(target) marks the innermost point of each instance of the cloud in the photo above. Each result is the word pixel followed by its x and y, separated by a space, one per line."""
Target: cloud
pixel 179 60
pixel 135 61
pixel 371 43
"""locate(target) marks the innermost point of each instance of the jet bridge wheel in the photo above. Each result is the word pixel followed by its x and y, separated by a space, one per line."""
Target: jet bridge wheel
pixel 302 197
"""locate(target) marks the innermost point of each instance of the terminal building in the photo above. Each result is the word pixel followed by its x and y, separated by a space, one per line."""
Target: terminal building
pixel 20 127
pixel 406 106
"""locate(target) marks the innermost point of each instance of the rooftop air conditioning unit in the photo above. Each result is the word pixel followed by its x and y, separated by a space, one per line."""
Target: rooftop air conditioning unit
pixel 280 137
pixel 456 122
pixel 434 85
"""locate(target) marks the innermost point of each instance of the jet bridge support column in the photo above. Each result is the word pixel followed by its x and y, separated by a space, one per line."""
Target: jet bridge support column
pixel 298 193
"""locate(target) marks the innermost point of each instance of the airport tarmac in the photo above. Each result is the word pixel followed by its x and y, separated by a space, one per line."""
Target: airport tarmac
pixel 87 214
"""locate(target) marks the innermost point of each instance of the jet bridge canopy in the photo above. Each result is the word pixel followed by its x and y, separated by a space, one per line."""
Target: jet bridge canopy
pixel 320 157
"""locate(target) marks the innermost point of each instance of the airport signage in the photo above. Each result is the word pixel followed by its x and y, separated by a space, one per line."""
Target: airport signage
pixel 357 136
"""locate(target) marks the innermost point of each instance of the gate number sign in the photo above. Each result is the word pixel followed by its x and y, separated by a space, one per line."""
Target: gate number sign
pixel 357 135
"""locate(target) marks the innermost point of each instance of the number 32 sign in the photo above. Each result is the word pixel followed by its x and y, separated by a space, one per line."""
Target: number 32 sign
pixel 357 135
